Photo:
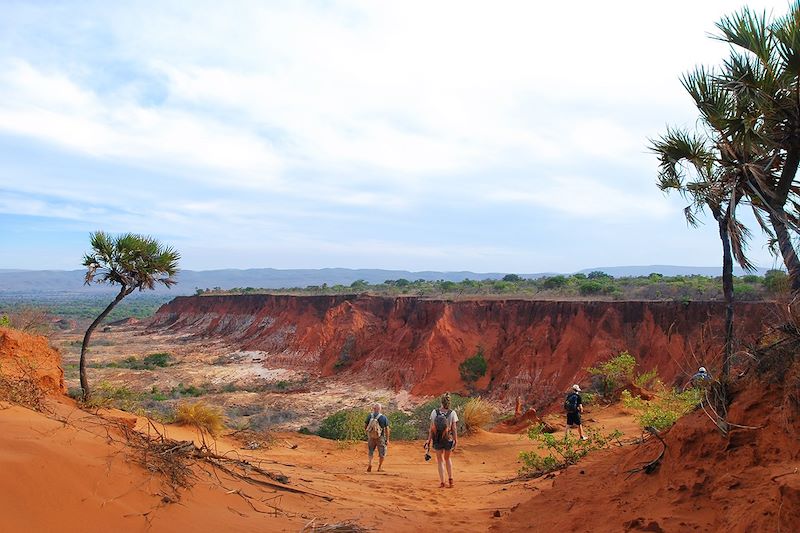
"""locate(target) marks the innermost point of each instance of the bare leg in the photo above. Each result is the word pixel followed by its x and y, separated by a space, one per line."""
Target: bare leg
pixel 440 465
pixel 580 431
pixel 449 463
pixel 380 463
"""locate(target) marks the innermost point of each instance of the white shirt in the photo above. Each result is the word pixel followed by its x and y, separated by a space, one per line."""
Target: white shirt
pixel 452 418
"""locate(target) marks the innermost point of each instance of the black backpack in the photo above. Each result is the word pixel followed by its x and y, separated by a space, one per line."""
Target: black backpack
pixel 571 402
pixel 441 425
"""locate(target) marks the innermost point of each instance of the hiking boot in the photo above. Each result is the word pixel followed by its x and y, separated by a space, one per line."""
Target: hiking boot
pixel 441 485
pixel 369 468
pixel 584 438
pixel 451 483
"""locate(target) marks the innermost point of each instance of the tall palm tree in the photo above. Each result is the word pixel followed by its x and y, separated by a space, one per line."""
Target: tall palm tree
pixel 130 261
pixel 761 81
pixel 690 165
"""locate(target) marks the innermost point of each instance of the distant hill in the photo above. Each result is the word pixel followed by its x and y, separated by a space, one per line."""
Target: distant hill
pixel 71 281
pixel 667 270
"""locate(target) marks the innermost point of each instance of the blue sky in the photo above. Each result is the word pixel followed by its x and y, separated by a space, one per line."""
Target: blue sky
pixel 478 136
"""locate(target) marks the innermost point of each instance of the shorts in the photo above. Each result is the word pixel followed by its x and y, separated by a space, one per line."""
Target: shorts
pixel 376 443
pixel 573 419
pixel 446 445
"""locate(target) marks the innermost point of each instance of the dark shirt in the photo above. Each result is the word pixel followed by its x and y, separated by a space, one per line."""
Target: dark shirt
pixel 578 402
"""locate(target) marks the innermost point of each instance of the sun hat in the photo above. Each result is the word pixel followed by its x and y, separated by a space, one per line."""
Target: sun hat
pixel 576 388
pixel 702 369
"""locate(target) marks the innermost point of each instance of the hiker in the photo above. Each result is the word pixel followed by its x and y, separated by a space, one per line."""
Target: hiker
pixel 573 405
pixel 377 428
pixel 443 434
pixel 700 379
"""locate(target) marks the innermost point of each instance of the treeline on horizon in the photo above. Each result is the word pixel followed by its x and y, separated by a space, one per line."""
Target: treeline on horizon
pixel 592 286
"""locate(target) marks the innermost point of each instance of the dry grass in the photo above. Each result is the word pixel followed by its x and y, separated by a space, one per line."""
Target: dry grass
pixel 24 389
pixel 477 413
pixel 205 418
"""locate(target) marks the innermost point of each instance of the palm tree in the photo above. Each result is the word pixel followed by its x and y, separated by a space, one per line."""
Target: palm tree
pixel 761 118
pixel 690 165
pixel 130 261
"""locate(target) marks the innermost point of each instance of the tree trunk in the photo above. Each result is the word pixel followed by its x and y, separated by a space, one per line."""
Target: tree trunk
pixel 727 290
pixel 786 247
pixel 82 365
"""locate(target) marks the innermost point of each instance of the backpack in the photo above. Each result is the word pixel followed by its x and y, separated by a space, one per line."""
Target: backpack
pixel 441 423
pixel 374 429
pixel 571 402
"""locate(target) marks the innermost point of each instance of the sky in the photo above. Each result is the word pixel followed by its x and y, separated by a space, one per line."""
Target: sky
pixel 484 136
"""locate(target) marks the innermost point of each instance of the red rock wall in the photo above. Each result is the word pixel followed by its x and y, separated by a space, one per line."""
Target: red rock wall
pixel 24 355
pixel 534 348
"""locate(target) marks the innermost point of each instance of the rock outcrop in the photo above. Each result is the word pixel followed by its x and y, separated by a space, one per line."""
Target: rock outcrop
pixel 534 349
pixel 30 356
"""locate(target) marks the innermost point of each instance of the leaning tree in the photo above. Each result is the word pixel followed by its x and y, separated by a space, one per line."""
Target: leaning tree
pixel 691 165
pixel 134 262
pixel 750 109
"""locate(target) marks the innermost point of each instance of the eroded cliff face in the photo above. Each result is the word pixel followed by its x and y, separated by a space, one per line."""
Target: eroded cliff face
pixel 30 357
pixel 536 349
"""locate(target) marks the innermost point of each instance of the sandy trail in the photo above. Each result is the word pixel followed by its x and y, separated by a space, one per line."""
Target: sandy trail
pixel 67 472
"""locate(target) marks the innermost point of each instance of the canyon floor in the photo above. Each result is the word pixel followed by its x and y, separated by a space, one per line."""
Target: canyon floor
pixel 80 476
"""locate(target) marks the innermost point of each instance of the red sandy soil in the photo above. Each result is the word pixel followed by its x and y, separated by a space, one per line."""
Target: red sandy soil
pixel 534 349
pixel 69 471
pixel 748 481
pixel 23 355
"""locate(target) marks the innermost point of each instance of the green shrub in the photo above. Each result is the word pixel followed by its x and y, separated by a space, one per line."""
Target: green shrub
pixel 614 372
pixel 345 425
pixel 561 451
pixel 776 281
pixel 554 282
pixel 5 322
pixel 664 409
pixel 473 368
pixel 590 287
pixel 403 426
pixel 161 359
pixel 646 379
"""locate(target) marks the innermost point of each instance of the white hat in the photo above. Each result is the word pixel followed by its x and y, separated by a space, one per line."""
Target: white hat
pixel 576 388
pixel 702 369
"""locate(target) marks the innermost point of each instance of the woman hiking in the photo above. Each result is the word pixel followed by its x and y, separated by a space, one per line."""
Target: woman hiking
pixel 443 434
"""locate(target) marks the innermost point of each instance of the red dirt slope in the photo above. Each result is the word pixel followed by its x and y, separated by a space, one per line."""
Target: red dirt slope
pixel 24 355
pixel 747 481
pixel 535 349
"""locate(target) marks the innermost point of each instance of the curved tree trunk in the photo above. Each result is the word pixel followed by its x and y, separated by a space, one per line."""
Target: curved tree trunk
pixel 727 290
pixel 786 247
pixel 82 365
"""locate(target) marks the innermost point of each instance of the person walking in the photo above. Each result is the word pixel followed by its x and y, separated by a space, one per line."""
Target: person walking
pixel 443 434
pixel 573 405
pixel 377 428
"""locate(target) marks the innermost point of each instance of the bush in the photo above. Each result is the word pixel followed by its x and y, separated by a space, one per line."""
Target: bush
pixel 614 372
pixel 161 359
pixel 403 426
pixel 4 321
pixel 664 409
pixel 554 282
pixel 204 418
pixel 776 281
pixel 473 368
pixel 590 287
pixel 477 413
pixel 561 451
pixel 345 425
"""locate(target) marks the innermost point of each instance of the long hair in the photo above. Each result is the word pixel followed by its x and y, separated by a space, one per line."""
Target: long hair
pixel 446 400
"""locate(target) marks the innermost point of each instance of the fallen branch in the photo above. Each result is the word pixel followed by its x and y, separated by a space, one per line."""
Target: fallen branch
pixel 653 465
